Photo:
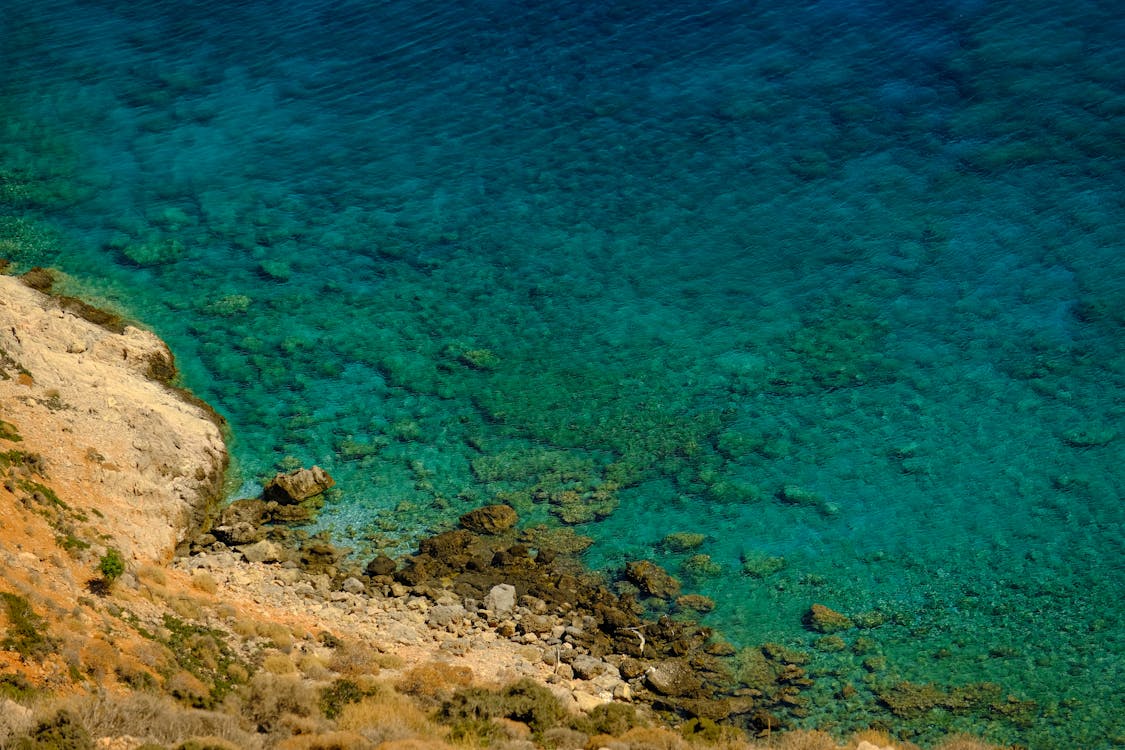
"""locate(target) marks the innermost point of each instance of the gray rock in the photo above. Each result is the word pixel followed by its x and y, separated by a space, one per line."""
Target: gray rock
pixel 588 667
pixel 442 615
pixel 263 551
pixel 652 579
pixel 246 510
pixel 501 599
pixel 241 532
pixel 353 585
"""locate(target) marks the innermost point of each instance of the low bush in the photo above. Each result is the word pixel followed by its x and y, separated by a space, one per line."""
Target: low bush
pixel 469 710
pixel 339 694
pixel 112 565
pixel 388 717
pixel 63 731
pixel 27 631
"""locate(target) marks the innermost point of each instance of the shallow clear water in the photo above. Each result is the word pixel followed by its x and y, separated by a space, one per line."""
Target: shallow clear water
pixel 837 285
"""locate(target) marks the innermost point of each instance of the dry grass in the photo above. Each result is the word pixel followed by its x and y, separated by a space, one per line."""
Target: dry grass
pixel 15 721
pixel 203 581
pixel 389 717
pixel 326 741
pixel 314 667
pixel 353 659
pixel 99 659
pixel 415 745
pixel 434 681
pixel 186 607
pixel 244 628
pixel 150 717
pixel 188 688
pixel 280 635
pixel 278 663
pixel 270 702
pixel 801 739
pixel 152 574
pixel 879 739
pixel 652 738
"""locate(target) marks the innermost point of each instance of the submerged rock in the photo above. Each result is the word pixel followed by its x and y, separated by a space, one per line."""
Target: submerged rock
pixel 695 602
pixel 491 519
pixel 652 579
pixel 824 620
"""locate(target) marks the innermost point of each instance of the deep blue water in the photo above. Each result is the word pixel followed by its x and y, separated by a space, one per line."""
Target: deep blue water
pixel 840 286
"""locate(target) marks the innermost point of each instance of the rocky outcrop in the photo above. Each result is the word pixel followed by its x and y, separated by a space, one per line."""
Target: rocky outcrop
pixel 93 400
pixel 297 486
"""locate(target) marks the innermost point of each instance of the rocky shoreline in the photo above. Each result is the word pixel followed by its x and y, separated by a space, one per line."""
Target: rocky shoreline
pixel 482 588
pixel 128 594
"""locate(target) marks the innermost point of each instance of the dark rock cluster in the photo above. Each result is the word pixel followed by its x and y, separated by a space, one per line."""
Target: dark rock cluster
pixel 672 663
pixel 511 581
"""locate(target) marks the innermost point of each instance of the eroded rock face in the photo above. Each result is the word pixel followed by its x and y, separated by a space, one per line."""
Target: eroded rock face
pixel 94 402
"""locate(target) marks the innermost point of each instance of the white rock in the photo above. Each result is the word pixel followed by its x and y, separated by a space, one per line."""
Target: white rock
pixel 501 599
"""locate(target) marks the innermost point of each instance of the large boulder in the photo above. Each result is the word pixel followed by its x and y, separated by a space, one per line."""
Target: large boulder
pixel 491 519
pixel 501 599
pixel 652 579
pixel 381 565
pixel 238 533
pixel 674 677
pixel 263 551
pixel 297 485
pixel 317 555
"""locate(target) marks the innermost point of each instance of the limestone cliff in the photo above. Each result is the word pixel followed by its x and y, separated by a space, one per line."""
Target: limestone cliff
pixel 93 403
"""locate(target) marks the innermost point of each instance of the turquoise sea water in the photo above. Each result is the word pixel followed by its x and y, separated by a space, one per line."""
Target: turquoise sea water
pixel 838 285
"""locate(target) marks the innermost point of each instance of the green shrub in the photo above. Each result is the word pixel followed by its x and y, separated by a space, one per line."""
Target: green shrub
pixel 8 432
pixel 112 565
pixel 612 718
pixel 701 729
pixel 524 701
pixel 61 732
pixel 339 694
pixel 15 686
pixel 204 652
pixel 27 631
